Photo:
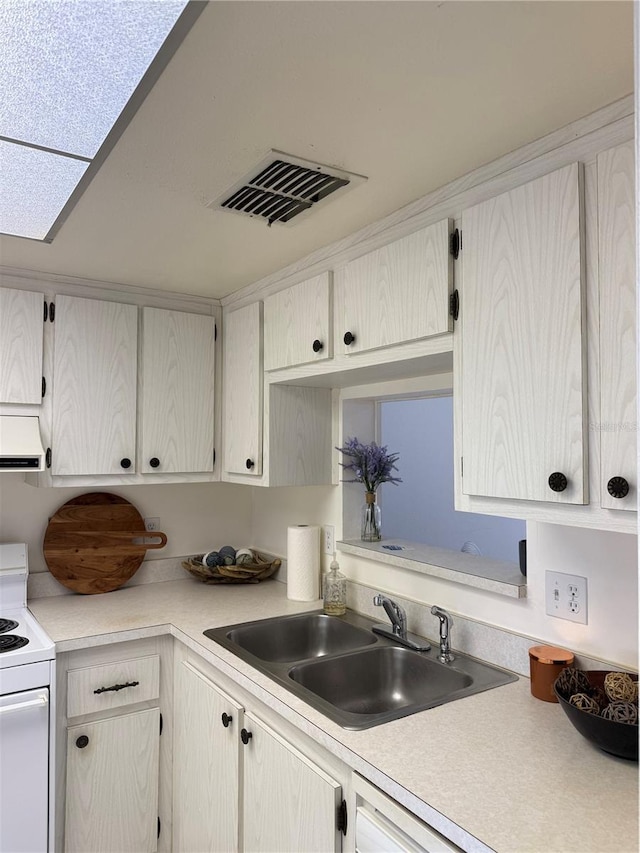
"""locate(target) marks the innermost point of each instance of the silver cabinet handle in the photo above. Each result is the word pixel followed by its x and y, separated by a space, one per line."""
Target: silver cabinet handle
pixel 40 702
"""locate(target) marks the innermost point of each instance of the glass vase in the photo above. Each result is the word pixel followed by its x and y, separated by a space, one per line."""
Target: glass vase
pixel 371 529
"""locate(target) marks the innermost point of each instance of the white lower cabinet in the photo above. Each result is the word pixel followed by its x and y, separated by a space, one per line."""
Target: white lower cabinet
pixel 206 764
pixel 240 784
pixel 289 804
pixel 112 784
pixel 117 794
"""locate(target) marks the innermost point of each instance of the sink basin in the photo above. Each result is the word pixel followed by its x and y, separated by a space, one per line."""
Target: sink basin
pixel 291 638
pixel 355 677
pixel 380 680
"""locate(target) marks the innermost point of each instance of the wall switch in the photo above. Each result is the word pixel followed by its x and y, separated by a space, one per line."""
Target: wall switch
pixel 329 539
pixel 566 596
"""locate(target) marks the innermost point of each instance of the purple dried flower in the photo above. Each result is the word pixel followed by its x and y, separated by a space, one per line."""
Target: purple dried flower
pixel 370 464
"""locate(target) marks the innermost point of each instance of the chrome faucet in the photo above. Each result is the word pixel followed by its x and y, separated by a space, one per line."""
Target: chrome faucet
pixel 398 628
pixel 396 614
pixel 446 623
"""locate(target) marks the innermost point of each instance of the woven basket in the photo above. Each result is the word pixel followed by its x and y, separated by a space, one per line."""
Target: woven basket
pixel 260 569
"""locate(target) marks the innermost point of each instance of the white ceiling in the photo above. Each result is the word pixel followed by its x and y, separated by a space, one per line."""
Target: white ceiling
pixel 411 94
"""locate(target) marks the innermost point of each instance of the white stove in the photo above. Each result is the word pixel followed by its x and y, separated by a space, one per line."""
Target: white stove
pixel 27 689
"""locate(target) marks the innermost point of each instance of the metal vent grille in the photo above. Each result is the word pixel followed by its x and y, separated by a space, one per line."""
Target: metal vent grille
pixel 282 188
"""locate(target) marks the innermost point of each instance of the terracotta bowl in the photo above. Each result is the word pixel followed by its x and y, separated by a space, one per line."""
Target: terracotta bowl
pixel 619 739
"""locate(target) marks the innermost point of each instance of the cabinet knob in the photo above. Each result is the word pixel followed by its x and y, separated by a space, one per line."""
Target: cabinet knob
pixel 245 736
pixel 349 338
pixel 249 463
pixel 618 487
pixel 125 463
pixel 318 346
pixel 154 462
pixel 226 720
pixel 557 482
pixel 82 741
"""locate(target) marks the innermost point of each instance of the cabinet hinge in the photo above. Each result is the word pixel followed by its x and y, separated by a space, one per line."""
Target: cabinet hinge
pixel 455 243
pixel 462 466
pixel 159 826
pixel 44 387
pixel 52 311
pixel 47 458
pixel 46 311
pixel 161 723
pixel 342 817
pixel 454 304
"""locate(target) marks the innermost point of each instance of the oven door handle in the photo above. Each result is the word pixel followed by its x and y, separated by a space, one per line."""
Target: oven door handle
pixel 38 702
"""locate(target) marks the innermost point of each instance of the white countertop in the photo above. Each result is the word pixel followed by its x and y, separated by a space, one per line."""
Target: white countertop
pixel 498 770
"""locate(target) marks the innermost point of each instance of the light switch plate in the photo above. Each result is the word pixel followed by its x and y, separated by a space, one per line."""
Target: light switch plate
pixel 566 596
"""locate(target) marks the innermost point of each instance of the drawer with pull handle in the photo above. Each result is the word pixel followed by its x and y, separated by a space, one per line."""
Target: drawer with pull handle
pixel 112 685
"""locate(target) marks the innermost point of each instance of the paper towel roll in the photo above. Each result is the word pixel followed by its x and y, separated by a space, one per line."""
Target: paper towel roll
pixel 303 562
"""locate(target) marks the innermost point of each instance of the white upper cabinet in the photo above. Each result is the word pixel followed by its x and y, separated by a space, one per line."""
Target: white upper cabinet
pixel 397 293
pixel 616 250
pixel 297 324
pixel 94 400
pixel 177 392
pixel 21 333
pixel 242 407
pixel 523 377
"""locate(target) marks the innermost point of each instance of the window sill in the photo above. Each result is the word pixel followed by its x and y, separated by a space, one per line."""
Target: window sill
pixel 479 572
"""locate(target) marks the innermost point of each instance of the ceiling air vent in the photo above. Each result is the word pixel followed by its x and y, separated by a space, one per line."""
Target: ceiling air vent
pixel 282 188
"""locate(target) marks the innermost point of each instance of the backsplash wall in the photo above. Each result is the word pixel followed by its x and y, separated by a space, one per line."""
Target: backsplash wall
pixel 196 517
pixel 607 560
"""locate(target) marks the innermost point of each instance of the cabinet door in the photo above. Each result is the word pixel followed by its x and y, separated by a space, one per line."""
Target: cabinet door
pixel 617 273
pixel 523 399
pixel 289 804
pixel 94 394
pixel 177 391
pixel 397 293
pixel 206 783
pixel 242 372
pixel 112 785
pixel 297 324
pixel 21 325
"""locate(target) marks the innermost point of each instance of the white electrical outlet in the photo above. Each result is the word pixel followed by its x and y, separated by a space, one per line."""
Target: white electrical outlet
pixel 152 524
pixel 329 539
pixel 566 596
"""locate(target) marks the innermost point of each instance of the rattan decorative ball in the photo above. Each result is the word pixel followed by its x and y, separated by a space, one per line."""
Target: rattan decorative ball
pixel 572 681
pixel 621 712
pixel 585 703
pixel 619 687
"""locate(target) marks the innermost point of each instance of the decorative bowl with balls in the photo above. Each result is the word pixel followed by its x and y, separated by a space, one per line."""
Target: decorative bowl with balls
pixel 603 707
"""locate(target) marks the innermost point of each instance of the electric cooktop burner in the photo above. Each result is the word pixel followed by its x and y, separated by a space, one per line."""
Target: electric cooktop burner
pixel 7 625
pixel 10 642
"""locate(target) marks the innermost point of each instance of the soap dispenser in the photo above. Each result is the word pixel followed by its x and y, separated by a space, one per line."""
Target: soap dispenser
pixel 334 590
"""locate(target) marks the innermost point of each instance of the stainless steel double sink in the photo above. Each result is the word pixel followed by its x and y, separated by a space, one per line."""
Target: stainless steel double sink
pixel 344 670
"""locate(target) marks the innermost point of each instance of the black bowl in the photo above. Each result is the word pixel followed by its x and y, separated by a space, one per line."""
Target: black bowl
pixel 619 739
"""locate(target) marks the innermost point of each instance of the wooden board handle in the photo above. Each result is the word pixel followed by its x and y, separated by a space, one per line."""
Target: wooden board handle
pixel 103 542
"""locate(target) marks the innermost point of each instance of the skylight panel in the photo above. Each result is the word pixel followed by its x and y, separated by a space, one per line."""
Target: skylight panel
pixel 34 186
pixel 68 68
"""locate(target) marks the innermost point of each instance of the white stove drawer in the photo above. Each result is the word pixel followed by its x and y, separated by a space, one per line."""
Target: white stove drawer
pixel 112 685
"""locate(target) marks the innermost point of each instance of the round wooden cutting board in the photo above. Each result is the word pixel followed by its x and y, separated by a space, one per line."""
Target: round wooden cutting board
pixel 94 543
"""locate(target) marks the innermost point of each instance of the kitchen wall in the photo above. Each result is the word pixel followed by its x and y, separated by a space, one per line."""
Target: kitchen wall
pixel 196 517
pixel 607 560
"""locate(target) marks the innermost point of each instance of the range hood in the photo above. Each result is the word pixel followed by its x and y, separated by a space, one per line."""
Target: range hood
pixel 20 444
